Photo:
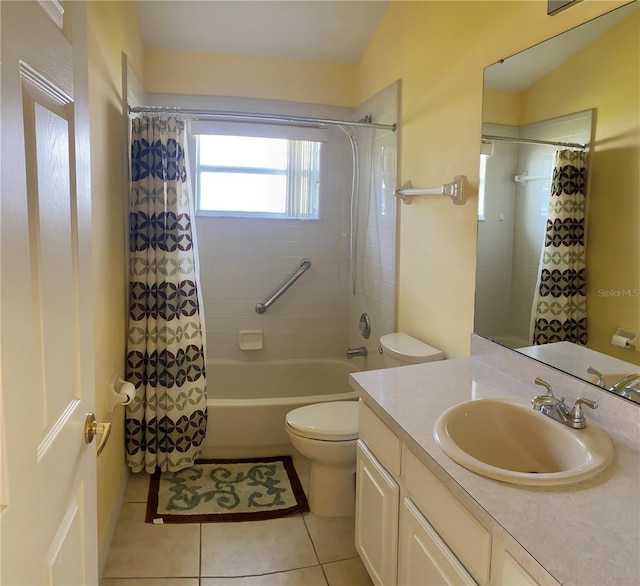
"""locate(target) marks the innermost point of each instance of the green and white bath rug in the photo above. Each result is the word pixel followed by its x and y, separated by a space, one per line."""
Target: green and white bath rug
pixel 213 491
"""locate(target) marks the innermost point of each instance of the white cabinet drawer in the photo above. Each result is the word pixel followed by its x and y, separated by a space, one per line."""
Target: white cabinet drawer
pixel 424 558
pixel 386 447
pixel 466 537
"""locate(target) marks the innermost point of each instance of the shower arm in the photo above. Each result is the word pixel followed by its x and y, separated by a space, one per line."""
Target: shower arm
pixel 305 263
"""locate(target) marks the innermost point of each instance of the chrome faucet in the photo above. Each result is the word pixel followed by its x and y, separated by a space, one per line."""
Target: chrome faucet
pixel 351 352
pixel 625 386
pixel 549 405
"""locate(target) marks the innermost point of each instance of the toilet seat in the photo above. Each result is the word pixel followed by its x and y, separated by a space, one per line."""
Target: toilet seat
pixel 334 421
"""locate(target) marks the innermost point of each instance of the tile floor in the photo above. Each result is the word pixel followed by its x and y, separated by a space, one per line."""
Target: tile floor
pixel 300 550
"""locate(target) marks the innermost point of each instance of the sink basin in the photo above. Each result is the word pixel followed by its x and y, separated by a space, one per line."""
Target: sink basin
pixel 507 440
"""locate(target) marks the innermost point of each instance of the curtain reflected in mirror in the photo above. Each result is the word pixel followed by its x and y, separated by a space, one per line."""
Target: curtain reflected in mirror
pixel 560 302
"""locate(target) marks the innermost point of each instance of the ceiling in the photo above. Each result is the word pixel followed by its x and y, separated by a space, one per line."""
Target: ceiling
pixel 521 70
pixel 336 31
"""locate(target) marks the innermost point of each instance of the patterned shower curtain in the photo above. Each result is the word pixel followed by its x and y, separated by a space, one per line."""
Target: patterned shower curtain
pixel 560 309
pixel 166 422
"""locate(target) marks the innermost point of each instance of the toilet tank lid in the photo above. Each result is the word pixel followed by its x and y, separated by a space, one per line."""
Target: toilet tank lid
pixel 407 348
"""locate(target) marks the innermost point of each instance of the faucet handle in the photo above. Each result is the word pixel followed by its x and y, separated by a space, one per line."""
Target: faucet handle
pixel 587 402
pixel 576 413
pixel 546 385
pixel 598 375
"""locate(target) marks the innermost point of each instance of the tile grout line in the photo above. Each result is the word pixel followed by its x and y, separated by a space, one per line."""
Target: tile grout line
pixel 264 573
pixel 313 545
pixel 200 559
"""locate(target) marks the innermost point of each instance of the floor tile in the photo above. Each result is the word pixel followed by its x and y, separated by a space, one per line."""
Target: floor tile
pixel 141 550
pixel 332 537
pixel 137 489
pixel 150 582
pixel 256 547
pixel 303 577
pixel 347 573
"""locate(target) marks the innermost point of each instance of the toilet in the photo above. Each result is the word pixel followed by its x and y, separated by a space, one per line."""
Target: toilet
pixel 326 434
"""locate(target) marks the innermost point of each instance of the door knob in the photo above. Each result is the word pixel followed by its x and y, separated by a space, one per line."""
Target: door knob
pixel 93 428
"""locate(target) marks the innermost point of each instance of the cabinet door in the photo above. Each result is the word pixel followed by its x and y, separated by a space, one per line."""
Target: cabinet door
pixel 424 559
pixel 377 501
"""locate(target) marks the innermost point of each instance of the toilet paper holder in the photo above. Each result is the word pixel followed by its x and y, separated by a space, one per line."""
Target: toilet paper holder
pixel 119 392
pixel 625 339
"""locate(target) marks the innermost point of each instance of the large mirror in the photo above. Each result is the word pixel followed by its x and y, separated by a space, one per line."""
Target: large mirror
pixel 580 88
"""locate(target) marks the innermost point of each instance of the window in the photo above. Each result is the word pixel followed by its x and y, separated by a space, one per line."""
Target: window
pixel 256 176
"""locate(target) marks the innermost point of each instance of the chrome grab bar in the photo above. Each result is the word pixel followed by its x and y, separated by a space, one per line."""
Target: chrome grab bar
pixel 305 263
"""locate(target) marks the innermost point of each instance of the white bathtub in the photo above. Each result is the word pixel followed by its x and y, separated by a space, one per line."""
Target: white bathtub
pixel 247 401
pixel 511 341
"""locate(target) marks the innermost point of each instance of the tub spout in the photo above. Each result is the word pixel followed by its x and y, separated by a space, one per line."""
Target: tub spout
pixel 351 352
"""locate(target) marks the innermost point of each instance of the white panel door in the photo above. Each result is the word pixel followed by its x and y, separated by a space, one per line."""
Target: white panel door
pixel 377 501
pixel 48 519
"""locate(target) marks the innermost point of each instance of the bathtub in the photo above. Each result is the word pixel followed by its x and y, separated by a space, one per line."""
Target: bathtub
pixel 247 401
pixel 510 341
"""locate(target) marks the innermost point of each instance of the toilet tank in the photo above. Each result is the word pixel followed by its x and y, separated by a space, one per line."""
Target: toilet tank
pixel 399 349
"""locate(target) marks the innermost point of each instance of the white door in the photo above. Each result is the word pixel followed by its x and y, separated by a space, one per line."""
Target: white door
pixel 48 501
pixel 377 501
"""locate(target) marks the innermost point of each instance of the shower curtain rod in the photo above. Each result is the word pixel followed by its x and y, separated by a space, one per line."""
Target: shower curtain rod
pixel 260 118
pixel 573 145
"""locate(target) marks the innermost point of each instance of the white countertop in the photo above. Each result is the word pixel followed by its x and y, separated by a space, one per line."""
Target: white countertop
pixel 575 359
pixel 587 533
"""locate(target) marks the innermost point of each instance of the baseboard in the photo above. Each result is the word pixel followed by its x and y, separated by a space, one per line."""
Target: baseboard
pixel 105 545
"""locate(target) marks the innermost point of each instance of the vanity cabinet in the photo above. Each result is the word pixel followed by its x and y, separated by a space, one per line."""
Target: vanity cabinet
pixel 410 529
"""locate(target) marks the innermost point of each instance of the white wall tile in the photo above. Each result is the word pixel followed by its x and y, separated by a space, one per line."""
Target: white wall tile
pixel 243 261
pixel 376 222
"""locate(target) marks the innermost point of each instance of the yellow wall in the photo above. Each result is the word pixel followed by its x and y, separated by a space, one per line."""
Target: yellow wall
pixel 112 27
pixel 612 86
pixel 270 78
pixel 439 50
pixel 501 107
